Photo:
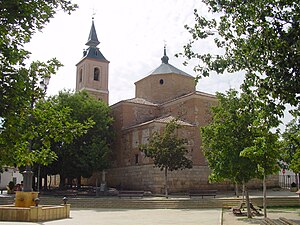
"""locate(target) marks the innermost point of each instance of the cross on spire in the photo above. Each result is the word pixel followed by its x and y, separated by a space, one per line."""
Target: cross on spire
pixel 165 58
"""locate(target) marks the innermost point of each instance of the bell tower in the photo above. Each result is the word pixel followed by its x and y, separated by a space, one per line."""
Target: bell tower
pixel 92 69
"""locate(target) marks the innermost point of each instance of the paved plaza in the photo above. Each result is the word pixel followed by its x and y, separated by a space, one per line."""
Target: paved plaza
pixel 106 216
pixel 136 217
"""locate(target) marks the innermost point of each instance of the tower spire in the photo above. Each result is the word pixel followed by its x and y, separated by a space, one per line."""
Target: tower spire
pixel 165 58
pixel 93 39
pixel 92 70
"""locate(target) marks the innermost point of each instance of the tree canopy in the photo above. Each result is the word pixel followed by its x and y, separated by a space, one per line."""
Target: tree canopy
pixel 26 137
pixel 291 144
pixel 226 137
pixel 239 142
pixel 19 20
pixel 89 152
pixel 258 37
pixel 26 131
pixel 167 150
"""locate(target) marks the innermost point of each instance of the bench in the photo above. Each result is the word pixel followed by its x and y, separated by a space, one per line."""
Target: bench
pixel 131 194
pixel 65 193
pixel 196 193
pixel 255 209
pixel 242 205
pixel 268 221
pixel 238 210
pixel 286 221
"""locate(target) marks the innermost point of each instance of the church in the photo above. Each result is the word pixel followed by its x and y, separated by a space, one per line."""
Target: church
pixel 163 95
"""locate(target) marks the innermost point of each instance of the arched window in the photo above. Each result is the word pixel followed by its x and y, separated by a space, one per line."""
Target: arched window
pixel 96 73
pixel 80 75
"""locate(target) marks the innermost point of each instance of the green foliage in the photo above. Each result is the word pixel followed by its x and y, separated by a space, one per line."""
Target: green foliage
pixel 91 151
pixel 27 137
pixel 265 153
pixel 26 130
pixel 259 37
pixel 230 142
pixel 168 150
pixel 19 20
pixel 291 144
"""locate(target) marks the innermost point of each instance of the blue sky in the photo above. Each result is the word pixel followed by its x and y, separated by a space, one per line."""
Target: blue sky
pixel 132 34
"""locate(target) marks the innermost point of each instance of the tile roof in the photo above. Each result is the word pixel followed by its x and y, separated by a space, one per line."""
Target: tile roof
pixel 140 101
pixel 163 119
pixel 166 68
pixel 168 119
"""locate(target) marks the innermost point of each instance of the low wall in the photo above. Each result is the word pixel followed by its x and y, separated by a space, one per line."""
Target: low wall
pixel 33 213
pixel 148 178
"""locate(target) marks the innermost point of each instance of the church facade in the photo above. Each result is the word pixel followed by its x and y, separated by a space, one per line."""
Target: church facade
pixel 165 94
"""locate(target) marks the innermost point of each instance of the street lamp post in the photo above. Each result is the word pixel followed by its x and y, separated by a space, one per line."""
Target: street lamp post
pixel 28 174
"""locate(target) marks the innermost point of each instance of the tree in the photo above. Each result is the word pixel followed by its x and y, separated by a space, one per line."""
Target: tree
pixel 230 142
pixel 27 137
pixel 265 154
pixel 19 20
pixel 225 138
pixel 19 85
pixel 291 144
pixel 91 151
pixel 258 37
pixel 167 150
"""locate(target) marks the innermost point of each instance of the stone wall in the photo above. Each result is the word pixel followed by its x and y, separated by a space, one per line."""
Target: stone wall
pixel 148 178
pixel 134 178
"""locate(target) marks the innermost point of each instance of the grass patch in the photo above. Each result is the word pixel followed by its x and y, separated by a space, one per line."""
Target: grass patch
pixel 286 208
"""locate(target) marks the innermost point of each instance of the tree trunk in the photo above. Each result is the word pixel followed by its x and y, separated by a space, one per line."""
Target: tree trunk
pixel 243 198
pixel 70 182
pixel 237 190
pixel 265 196
pixel 62 181
pixel 249 215
pixel 40 178
pixel 78 182
pixel 45 182
pixel 166 182
pixel 33 183
pixel 50 180
pixel 103 177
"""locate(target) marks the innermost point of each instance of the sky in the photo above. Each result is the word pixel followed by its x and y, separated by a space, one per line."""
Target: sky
pixel 132 36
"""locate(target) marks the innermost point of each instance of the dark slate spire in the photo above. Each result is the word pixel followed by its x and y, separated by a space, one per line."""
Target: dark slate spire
pixel 93 51
pixel 165 58
pixel 93 39
pixel 166 68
